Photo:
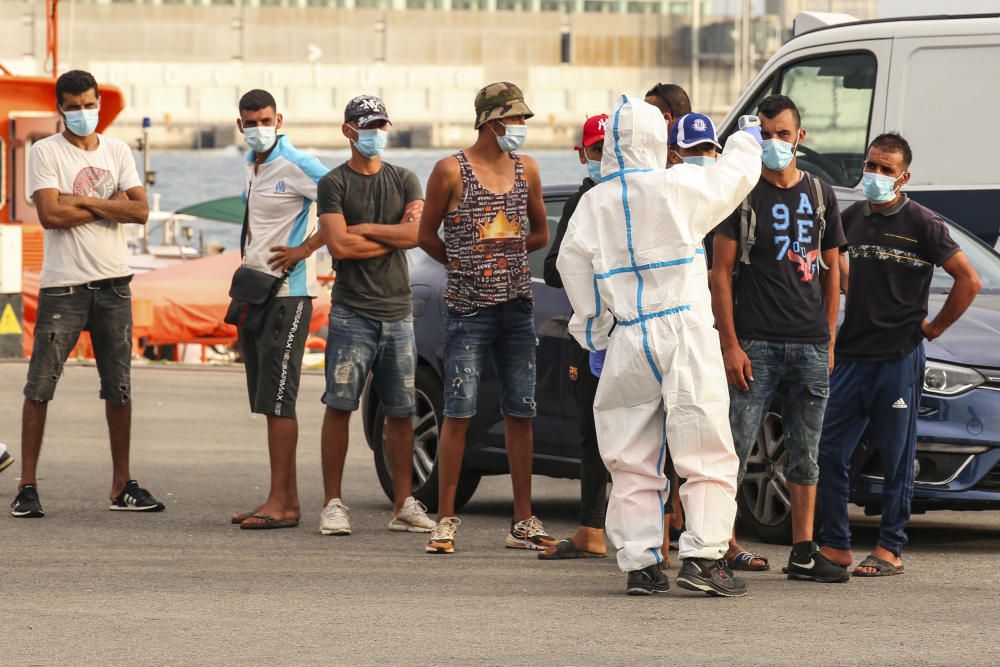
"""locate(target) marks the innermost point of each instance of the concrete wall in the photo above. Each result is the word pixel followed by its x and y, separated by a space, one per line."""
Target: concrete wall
pixel 185 66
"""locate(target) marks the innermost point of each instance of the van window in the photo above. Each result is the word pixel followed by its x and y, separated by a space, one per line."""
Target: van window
pixel 834 96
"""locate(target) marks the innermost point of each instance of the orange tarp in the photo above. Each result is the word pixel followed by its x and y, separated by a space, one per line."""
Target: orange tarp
pixel 181 303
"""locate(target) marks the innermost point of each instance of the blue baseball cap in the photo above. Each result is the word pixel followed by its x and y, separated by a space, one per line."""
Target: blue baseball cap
pixel 692 129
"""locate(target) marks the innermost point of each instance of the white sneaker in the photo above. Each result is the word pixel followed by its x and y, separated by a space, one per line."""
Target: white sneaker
pixel 412 518
pixel 443 537
pixel 334 519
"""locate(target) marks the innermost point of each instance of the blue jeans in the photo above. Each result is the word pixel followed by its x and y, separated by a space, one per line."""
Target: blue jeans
pixel 798 373
pixel 64 312
pixel 508 331
pixel 357 345
pixel 881 398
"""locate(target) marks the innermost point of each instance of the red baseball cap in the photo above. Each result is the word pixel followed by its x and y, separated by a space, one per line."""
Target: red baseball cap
pixel 593 130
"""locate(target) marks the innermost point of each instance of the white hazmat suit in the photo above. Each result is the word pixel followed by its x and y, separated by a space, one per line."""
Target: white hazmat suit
pixel 633 253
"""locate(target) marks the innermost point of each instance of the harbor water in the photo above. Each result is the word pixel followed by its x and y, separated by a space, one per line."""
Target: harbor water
pixel 188 177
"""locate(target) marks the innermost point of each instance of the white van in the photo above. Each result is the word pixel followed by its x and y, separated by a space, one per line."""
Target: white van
pixel 935 79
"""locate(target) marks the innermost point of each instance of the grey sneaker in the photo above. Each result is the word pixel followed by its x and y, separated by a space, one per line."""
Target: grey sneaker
pixel 528 534
pixel 443 536
pixel 712 577
pixel 334 520
pixel 412 518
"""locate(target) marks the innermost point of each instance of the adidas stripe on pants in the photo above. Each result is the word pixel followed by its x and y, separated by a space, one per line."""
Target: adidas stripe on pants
pixel 882 397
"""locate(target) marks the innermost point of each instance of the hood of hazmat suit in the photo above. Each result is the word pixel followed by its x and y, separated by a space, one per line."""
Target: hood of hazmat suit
pixel 632 259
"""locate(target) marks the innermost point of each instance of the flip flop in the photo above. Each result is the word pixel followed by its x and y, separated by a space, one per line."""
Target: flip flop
pixel 237 519
pixel 269 522
pixel 883 568
pixel 564 550
pixel 744 559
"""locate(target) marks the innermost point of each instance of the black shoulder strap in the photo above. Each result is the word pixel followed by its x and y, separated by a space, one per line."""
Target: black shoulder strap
pixel 245 232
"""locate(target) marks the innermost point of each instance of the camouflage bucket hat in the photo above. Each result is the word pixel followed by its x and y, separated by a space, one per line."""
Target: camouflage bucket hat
pixel 500 100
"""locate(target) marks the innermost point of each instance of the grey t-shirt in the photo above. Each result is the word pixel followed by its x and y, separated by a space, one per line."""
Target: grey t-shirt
pixel 377 288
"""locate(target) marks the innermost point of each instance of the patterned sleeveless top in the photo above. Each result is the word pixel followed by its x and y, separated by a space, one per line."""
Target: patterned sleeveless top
pixel 484 239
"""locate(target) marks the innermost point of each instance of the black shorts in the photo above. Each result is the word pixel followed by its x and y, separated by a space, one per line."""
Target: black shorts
pixel 273 355
pixel 64 312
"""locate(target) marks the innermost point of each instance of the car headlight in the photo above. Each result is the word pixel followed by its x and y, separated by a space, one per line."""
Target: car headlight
pixel 948 380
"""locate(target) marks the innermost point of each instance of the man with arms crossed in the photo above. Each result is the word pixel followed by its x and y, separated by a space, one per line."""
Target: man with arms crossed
pixel 279 187
pixel 490 201
pixel 894 244
pixel 85 187
pixel 369 212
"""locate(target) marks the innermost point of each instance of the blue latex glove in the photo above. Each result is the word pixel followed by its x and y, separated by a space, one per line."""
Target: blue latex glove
pixel 754 131
pixel 597 362
pixel 751 125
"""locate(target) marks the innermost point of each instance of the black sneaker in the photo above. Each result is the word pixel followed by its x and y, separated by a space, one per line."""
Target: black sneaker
pixel 811 565
pixel 5 459
pixel 710 576
pixel 26 505
pixel 134 498
pixel 647 581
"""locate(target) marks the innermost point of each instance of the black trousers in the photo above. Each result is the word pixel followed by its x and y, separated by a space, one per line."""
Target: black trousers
pixel 594 476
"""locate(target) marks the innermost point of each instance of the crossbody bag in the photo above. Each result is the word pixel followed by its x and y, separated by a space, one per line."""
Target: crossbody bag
pixel 250 290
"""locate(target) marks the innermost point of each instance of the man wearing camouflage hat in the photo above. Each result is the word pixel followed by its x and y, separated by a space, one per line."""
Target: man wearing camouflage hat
pixel 490 201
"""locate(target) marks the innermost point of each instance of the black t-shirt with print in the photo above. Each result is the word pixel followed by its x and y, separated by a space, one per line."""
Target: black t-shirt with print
pixel 892 259
pixel 778 296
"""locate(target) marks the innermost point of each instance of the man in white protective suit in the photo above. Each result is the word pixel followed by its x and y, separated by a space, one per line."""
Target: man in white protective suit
pixel 632 260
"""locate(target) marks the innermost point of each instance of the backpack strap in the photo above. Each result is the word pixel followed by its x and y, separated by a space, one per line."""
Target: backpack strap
pixel 748 230
pixel 820 214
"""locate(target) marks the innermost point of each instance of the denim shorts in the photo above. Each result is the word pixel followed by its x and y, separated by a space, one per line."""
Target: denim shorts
pixel 798 373
pixel 357 345
pixel 63 313
pixel 507 330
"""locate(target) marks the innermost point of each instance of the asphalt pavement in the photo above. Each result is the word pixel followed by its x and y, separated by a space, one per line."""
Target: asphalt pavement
pixel 87 586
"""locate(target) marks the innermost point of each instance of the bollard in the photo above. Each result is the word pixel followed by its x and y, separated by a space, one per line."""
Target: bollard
pixel 11 301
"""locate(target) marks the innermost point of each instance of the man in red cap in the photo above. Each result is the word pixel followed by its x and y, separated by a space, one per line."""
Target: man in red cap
pixel 588 540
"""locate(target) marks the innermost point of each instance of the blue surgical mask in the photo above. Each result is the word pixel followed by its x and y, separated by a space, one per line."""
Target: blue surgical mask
pixel 594 170
pixel 513 139
pixel 260 138
pixel 699 160
pixel 371 143
pixel 82 122
pixel 878 189
pixel 777 154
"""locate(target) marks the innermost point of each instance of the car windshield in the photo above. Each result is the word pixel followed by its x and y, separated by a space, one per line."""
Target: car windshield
pixel 984 260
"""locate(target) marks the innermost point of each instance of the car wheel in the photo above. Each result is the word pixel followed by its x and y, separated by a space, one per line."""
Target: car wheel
pixel 426 431
pixel 763 496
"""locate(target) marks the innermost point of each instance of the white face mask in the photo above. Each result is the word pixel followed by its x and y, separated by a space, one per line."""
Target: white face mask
pixel 513 139
pixel 260 138
pixel 82 122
